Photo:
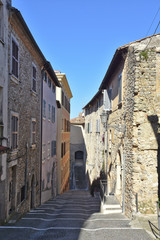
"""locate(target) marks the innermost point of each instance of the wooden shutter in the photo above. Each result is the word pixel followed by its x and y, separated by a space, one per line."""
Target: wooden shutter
pixel 106 100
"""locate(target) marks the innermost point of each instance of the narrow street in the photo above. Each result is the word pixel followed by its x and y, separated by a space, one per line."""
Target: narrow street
pixel 75 215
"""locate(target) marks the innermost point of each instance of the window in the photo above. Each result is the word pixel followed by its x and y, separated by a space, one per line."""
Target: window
pixel 98 125
pixel 61 150
pixel 120 88
pixel 33 132
pixel 79 155
pixel 45 76
pixel 49 112
pixel 44 108
pixel 22 193
pixel 49 150
pixel 88 128
pixel 43 152
pixel 48 177
pixel 14 131
pixel 63 98
pixel 107 95
pixel 15 58
pixel 34 78
pixel 49 82
pixel 1 22
pixel 53 148
pixel 53 114
pixel 53 88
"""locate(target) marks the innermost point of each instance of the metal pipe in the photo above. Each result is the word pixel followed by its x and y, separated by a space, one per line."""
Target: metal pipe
pixel 123 203
pixel 136 202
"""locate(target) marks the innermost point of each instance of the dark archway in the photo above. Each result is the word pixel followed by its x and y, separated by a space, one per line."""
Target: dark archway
pixel 79 155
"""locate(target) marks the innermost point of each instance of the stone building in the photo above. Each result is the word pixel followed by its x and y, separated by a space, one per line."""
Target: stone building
pixel 49 134
pixel 25 61
pixel 132 90
pixel 64 95
pixel 78 178
pixel 3 105
pixel 94 136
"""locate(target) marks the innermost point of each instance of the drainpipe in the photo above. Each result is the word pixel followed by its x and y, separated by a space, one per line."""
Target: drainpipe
pixel 26 169
pixel 123 204
pixel 124 160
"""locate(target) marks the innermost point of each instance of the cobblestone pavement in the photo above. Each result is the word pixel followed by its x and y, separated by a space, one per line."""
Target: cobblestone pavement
pixel 74 215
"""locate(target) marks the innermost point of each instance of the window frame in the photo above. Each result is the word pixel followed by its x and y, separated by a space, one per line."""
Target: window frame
pixel 120 88
pixel 14 132
pixel 44 108
pixel 34 78
pixel 33 132
pixel 53 114
pixel 1 22
pixel 49 112
pixel 14 77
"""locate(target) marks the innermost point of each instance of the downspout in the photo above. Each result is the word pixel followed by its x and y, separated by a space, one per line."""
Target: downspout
pixel 124 158
pixel 26 169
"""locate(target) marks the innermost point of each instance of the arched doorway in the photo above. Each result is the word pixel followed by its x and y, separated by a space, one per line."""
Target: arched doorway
pixel 79 158
pixel 32 192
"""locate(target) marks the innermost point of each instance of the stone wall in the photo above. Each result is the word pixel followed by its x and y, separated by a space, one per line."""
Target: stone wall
pixel 95 141
pixel 24 163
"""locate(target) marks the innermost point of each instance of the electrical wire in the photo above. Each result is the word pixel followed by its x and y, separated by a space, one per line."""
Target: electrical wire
pixel 153 21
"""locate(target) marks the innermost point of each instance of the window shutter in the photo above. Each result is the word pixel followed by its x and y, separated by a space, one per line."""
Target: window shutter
pixel 120 87
pixel 106 100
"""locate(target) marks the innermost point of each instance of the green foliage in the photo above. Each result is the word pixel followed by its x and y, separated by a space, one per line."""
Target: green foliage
pixel 144 54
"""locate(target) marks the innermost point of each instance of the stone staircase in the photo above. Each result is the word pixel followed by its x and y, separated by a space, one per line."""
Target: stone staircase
pixel 111 205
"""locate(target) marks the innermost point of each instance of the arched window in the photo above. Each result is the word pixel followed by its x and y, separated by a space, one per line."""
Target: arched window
pixel 79 155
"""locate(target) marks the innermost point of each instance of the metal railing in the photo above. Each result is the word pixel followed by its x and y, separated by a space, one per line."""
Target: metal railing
pixel 103 189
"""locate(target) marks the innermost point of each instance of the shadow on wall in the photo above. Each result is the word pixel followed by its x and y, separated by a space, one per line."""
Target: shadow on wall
pixel 153 119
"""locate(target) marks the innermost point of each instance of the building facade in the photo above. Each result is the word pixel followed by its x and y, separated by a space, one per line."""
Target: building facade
pixel 78 176
pixel 24 117
pixel 4 13
pixel 95 137
pixel 64 95
pixel 49 134
pixel 131 86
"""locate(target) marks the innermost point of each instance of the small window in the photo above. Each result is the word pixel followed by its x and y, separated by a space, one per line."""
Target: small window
pixel 98 125
pixel 15 58
pixel 14 132
pixel 88 128
pixel 53 148
pixel 49 150
pixel 62 150
pixel 45 76
pixel 49 112
pixel 22 193
pixel 120 88
pixel 53 88
pixel 48 177
pixel 33 137
pixel 49 82
pixel 43 152
pixel 34 78
pixel 63 98
pixel 1 22
pixel 53 114
pixel 44 108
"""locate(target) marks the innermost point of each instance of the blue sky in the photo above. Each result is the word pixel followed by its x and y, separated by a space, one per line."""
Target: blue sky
pixel 80 37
